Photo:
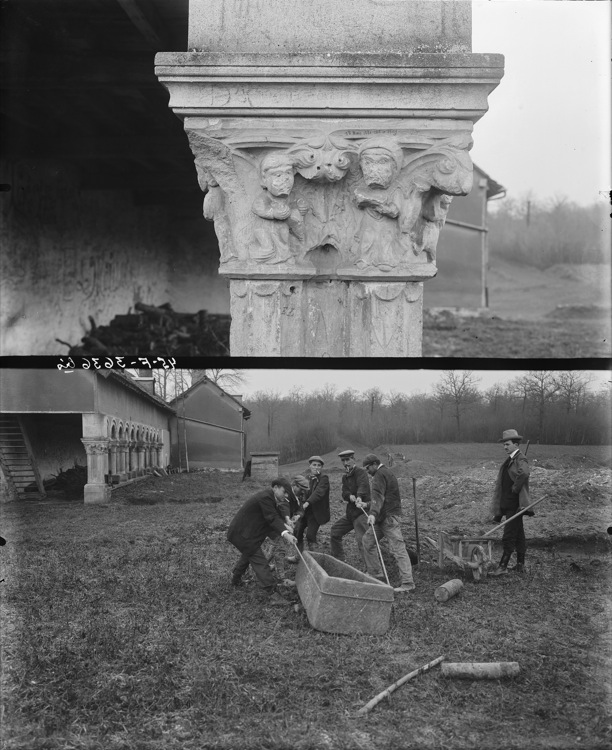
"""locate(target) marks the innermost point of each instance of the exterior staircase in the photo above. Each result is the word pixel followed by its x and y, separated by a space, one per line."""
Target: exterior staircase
pixel 17 460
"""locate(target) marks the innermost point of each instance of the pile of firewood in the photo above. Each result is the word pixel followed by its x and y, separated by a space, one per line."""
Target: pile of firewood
pixel 70 483
pixel 156 331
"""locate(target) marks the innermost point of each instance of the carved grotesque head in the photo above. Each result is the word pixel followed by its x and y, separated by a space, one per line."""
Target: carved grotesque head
pixel 380 160
pixel 276 173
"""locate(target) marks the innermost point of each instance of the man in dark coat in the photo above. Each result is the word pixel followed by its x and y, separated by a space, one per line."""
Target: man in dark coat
pixel 315 506
pixel 356 495
pixel 260 517
pixel 511 494
pixel 384 521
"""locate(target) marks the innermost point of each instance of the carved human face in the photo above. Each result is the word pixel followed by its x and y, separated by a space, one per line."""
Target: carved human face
pixel 378 167
pixel 278 181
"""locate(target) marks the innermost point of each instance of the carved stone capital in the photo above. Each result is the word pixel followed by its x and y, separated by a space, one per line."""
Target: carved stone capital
pixel 95 447
pixel 287 206
pixel 328 174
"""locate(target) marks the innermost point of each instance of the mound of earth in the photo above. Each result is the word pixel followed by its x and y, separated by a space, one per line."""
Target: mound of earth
pixel 567 461
pixel 573 312
pixel 591 273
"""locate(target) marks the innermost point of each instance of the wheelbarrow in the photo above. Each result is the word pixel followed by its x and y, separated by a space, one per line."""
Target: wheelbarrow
pixel 474 553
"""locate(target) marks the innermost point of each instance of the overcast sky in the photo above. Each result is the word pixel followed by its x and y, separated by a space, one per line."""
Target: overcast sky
pixel 283 382
pixel 548 126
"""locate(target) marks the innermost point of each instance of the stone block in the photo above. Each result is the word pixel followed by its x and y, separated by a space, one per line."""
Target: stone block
pixel 339 598
pixel 264 464
pixel 96 493
pixel 330 26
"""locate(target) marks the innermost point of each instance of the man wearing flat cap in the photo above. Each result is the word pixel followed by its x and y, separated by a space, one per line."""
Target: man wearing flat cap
pixel 511 494
pixel 259 517
pixel 356 495
pixel 384 521
pixel 315 505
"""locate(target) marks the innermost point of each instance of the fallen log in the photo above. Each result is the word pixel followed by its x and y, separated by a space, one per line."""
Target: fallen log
pixel 494 670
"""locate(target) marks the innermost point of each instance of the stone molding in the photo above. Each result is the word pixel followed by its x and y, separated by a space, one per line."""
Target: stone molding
pixel 336 85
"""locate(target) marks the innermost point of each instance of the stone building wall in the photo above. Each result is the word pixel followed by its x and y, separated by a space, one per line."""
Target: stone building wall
pixel 69 254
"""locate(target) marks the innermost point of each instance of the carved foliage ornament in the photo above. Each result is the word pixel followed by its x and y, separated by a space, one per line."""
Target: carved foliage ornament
pixel 324 158
pixel 95 447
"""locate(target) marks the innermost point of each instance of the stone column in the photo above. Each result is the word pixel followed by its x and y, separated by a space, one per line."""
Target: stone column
pixel 96 489
pixel 158 452
pixel 122 458
pixel 140 451
pixel 132 458
pixel 329 173
pixel 112 457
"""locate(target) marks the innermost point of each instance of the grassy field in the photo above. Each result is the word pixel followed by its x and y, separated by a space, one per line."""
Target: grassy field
pixel 121 629
pixel 563 311
pixel 489 335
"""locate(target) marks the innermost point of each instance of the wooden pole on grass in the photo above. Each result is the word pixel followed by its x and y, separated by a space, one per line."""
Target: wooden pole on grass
pixel 416 521
pixel 377 699
pixel 515 516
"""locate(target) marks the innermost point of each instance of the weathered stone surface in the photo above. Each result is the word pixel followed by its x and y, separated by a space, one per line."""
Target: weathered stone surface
pixel 329 160
pixel 326 318
pixel 340 599
pixel 264 464
pixel 423 85
pixel 328 26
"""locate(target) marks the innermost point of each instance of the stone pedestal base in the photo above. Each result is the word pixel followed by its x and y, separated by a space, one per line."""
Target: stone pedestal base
pixel 329 318
pixel 97 493
pixel 264 465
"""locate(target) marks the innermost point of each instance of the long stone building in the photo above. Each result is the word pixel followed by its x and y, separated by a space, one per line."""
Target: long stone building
pixel 113 424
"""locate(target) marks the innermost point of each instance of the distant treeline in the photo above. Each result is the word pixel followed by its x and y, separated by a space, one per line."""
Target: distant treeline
pixel 544 406
pixel 543 233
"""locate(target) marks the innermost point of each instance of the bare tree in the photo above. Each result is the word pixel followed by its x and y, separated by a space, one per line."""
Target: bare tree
pixel 171 383
pixel 572 385
pixel 269 403
pixel 228 378
pixel 375 398
pixel 459 388
pixel 541 387
pixel 493 396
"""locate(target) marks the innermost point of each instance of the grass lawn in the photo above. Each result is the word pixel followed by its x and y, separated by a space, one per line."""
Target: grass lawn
pixel 121 631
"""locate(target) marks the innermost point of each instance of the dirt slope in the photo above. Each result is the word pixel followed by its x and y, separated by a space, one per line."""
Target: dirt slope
pixel 561 312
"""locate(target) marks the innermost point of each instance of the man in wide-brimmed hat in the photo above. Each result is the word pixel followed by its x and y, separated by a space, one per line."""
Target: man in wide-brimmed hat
pixel 315 505
pixel 511 494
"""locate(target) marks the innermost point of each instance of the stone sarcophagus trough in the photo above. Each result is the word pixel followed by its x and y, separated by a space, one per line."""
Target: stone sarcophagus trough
pixel 340 599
